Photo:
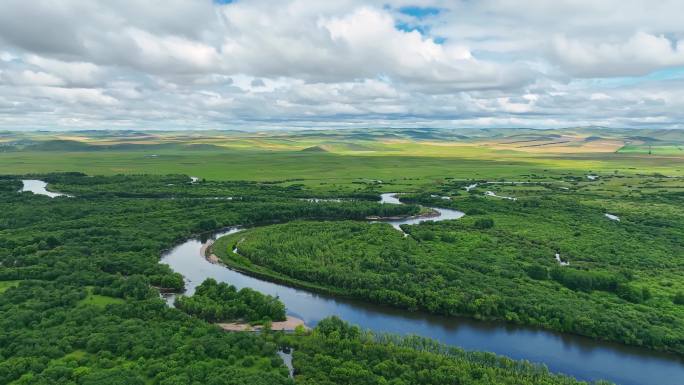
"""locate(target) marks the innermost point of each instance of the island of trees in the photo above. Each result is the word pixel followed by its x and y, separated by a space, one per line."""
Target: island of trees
pixel 221 302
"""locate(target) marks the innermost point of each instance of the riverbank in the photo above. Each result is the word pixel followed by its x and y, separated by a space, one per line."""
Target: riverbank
pixel 289 325
pixel 429 213
pixel 205 246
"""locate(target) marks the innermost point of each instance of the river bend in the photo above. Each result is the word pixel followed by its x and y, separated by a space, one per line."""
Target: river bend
pixel 580 357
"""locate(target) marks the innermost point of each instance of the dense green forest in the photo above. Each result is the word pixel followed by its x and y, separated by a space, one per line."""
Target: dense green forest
pixel 80 280
pixel 217 302
pixel 78 303
pixel 623 282
pixel 49 338
pixel 337 353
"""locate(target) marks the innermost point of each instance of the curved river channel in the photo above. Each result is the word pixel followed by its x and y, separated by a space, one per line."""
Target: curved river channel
pixel 580 357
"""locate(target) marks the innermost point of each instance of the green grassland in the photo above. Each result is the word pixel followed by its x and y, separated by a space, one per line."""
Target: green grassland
pixel 677 150
pixel 404 157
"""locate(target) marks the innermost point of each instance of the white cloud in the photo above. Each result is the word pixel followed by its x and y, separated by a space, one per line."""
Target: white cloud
pixel 32 78
pixel 369 40
pixel 76 73
pixel 170 53
pixel 197 64
pixel 641 54
pixel 86 96
pixel 7 56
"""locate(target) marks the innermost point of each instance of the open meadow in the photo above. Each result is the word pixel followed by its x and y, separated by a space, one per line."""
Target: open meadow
pixel 403 158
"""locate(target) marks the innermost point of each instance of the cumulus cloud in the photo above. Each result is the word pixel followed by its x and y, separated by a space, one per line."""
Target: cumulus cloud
pixel 267 63
pixel 641 54
pixel 75 73
pixel 31 78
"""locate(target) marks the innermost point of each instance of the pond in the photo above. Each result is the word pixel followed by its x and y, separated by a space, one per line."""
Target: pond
pixel 39 187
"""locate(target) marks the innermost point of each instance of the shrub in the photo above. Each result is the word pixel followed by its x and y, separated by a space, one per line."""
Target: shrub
pixel 538 272
pixel 484 223
pixel 679 298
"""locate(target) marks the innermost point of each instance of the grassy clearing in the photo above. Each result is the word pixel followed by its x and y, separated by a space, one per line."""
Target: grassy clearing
pixel 99 300
pixel 4 285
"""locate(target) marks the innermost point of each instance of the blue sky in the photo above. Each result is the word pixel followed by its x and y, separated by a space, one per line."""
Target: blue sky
pixel 295 63
pixel 419 12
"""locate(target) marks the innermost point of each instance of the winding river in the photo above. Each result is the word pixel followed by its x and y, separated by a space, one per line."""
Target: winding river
pixel 444 214
pixel 580 357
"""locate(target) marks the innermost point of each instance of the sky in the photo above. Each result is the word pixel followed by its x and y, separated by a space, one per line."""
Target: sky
pixel 279 64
